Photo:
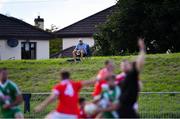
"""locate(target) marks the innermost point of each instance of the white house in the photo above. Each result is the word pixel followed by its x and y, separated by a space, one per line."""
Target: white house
pixel 19 40
pixel 83 29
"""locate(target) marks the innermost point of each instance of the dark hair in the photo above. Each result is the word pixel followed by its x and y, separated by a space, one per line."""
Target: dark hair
pixel 107 62
pixel 65 75
pixel 81 100
pixel 111 77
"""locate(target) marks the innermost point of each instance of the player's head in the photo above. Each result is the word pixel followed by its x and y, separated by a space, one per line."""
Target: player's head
pixel 64 75
pixel 125 66
pixel 82 102
pixel 109 65
pixel 3 74
pixel 111 81
pixel 80 42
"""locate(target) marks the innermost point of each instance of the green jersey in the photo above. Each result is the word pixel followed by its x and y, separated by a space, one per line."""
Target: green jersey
pixel 111 96
pixel 10 91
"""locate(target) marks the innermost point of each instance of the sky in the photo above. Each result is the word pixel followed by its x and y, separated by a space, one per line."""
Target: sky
pixel 58 12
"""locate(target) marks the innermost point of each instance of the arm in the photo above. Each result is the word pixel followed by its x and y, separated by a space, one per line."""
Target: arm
pixel 112 107
pixel 17 102
pixel 141 57
pixel 88 82
pixel 46 102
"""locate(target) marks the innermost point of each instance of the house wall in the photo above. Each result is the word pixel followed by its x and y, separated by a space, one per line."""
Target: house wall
pixel 68 42
pixel 7 52
pixel 42 49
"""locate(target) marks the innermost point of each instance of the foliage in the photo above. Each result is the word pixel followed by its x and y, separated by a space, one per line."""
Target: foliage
pixel 156 20
pixel 55 45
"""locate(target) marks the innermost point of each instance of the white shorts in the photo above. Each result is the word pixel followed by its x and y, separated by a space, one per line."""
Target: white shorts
pixel 57 115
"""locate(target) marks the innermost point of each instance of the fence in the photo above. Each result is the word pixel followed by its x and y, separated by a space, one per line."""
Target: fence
pixel 151 104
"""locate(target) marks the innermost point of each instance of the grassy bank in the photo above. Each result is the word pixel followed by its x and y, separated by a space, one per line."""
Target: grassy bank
pixel 161 72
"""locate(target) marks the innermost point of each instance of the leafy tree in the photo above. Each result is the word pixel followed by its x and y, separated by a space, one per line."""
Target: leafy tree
pixel 55 46
pixel 156 20
pixel 56 43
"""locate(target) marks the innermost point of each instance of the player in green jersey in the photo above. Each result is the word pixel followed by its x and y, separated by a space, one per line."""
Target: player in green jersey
pixel 10 97
pixel 110 99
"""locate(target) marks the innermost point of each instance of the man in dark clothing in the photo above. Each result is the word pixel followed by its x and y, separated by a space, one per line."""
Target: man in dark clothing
pixel 130 86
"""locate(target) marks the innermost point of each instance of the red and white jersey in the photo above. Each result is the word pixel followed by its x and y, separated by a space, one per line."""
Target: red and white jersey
pixel 120 77
pixel 68 96
pixel 101 77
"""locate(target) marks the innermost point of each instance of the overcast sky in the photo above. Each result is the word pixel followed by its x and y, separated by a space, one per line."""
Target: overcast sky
pixel 58 12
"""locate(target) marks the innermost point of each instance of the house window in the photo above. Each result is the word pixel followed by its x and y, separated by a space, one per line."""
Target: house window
pixel 28 50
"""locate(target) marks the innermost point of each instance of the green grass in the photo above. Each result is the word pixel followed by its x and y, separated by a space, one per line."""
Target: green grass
pixel 161 72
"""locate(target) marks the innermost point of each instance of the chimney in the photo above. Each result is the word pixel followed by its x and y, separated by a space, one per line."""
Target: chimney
pixel 39 22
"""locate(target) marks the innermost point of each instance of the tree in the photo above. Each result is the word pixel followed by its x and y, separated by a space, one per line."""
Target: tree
pixel 156 20
pixel 55 46
pixel 56 43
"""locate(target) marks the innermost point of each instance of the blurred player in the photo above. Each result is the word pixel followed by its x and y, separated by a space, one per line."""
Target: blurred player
pixel 121 77
pixel 110 99
pixel 130 86
pixel 82 103
pixel 102 75
pixel 67 93
pixel 10 97
pixel 123 67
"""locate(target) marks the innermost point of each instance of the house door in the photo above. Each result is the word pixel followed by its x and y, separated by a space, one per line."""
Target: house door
pixel 28 50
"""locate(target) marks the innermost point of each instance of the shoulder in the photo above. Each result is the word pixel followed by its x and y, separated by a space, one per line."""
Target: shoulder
pixel 14 87
pixel 58 86
pixel 76 82
pixel 12 84
pixel 103 70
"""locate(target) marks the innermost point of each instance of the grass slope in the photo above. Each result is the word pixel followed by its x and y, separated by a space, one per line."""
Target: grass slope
pixel 161 72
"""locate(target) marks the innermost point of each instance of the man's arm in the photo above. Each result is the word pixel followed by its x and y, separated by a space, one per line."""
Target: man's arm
pixel 88 82
pixel 17 102
pixel 110 108
pixel 141 57
pixel 46 102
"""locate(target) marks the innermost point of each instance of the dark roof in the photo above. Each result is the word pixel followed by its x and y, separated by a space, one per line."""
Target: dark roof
pixel 11 27
pixel 64 53
pixel 87 26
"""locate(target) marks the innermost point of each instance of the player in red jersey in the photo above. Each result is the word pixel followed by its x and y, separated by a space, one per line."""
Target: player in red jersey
pixel 67 92
pixel 82 103
pixel 101 82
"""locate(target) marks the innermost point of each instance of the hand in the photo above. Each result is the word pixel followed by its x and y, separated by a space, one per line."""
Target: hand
pixel 38 108
pixel 141 44
pixel 98 110
pixel 6 106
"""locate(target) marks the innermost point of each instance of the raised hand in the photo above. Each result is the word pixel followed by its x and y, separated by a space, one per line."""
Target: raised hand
pixel 141 44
